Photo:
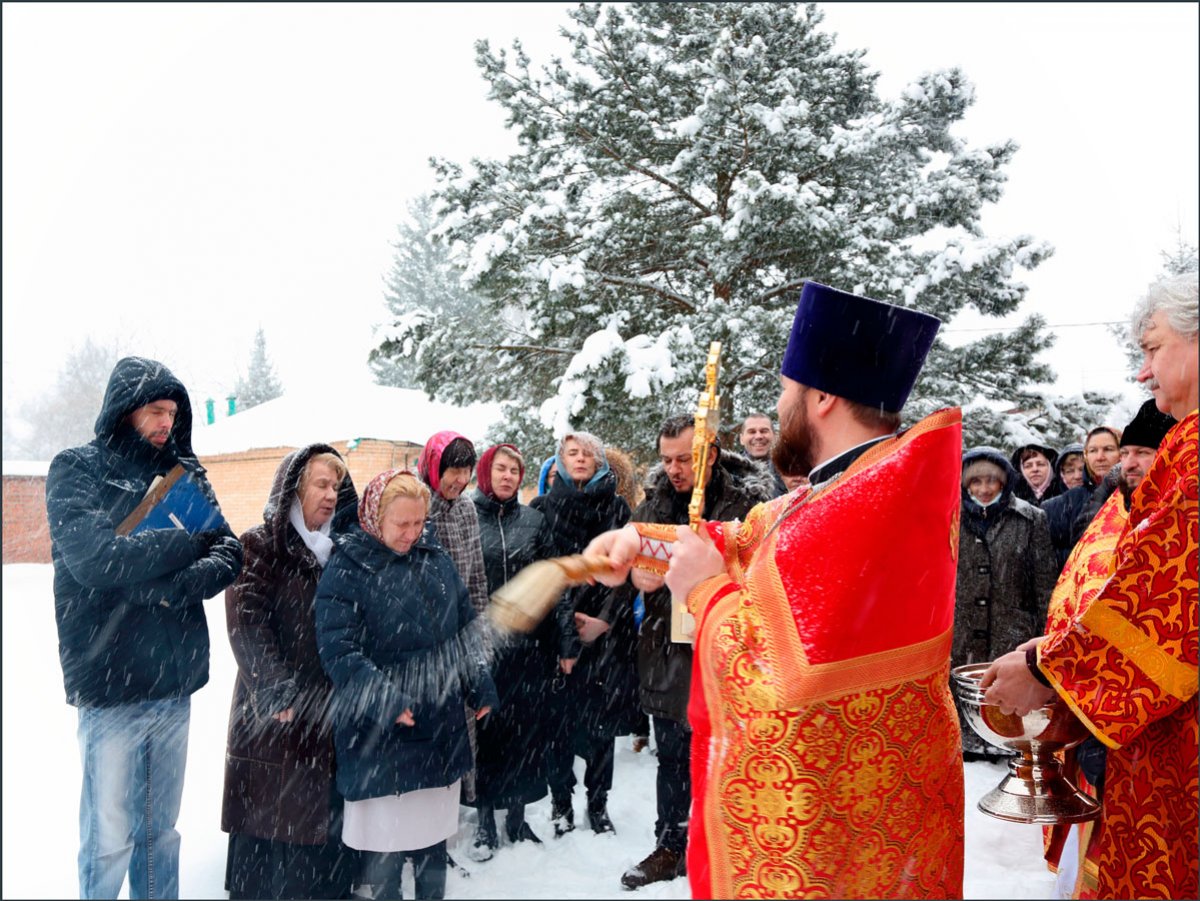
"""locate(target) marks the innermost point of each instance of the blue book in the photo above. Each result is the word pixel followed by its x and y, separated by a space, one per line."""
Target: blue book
pixel 174 501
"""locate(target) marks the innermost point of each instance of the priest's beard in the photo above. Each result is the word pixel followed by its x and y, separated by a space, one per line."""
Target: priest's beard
pixel 793 451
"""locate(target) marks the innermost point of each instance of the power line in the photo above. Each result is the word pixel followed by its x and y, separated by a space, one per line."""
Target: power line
pixel 1013 328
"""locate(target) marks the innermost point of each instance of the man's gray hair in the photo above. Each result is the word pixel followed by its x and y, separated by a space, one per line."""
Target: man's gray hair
pixel 1176 299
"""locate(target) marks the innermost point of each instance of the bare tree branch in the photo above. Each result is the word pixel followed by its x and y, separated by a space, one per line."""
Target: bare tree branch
pixel 677 299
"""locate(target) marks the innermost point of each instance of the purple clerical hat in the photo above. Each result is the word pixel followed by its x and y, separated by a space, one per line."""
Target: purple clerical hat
pixel 857 348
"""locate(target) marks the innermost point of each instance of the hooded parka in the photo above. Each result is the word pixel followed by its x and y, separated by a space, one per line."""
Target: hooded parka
pixel 278 776
pixel 1023 489
pixel 1064 509
pixel 129 609
pixel 1006 572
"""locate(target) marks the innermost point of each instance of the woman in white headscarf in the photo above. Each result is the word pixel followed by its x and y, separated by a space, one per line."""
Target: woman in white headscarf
pixel 280 808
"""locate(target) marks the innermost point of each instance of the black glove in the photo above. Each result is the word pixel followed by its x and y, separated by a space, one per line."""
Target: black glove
pixel 202 541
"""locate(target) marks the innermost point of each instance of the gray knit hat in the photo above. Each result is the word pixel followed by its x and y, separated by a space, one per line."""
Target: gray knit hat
pixel 983 468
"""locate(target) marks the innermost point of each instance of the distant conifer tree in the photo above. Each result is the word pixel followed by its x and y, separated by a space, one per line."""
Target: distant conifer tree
pixel 260 383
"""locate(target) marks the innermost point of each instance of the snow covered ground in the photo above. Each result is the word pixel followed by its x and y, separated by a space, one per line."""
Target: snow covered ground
pixel 41 793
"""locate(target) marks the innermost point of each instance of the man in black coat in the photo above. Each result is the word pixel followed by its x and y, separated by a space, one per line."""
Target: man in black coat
pixel 665 667
pixel 132 636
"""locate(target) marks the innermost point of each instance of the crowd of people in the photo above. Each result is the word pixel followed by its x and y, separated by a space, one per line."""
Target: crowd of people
pixel 806 738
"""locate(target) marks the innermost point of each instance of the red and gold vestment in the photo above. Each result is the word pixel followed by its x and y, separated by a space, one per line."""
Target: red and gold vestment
pixel 1085 573
pixel 826 756
pixel 1127 665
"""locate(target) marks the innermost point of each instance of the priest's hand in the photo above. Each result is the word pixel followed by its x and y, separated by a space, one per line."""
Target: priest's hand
pixel 620 546
pixel 693 559
pixel 1009 685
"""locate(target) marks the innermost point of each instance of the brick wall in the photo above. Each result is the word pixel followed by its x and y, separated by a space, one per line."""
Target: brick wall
pixel 26 532
pixel 242 481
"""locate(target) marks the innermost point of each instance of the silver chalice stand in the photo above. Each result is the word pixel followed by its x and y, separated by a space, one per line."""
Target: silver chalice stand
pixel 1035 789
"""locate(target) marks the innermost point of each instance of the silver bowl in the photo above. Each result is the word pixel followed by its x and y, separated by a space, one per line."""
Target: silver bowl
pixel 1035 789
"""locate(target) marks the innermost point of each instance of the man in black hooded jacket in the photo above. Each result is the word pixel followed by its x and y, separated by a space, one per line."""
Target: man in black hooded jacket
pixel 132 635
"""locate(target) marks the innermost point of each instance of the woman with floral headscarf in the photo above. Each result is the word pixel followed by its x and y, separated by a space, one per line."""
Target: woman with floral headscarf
pixel 394 634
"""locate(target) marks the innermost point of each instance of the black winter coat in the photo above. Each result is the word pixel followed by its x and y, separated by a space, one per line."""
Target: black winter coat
pixel 511 742
pixel 603 684
pixel 392 635
pixel 278 775
pixel 1096 499
pixel 1061 513
pixel 1006 573
pixel 131 624
pixel 665 667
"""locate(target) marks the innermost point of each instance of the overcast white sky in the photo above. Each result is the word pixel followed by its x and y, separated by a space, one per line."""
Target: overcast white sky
pixel 178 174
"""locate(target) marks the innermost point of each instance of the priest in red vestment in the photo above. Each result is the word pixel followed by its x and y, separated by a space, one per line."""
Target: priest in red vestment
pixel 826 750
pixel 1127 663
pixel 1071 848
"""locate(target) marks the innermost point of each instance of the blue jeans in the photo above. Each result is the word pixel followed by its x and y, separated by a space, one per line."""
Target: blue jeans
pixel 133 761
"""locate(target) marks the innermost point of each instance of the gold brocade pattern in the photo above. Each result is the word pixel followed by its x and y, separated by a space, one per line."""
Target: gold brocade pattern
pixel 839 796
pixel 1172 676
pixel 1088 567
pixel 834 780
pixel 826 758
pixel 656 531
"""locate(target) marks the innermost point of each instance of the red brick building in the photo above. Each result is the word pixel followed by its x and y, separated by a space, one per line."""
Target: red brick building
pixel 242 480
pixel 26 532
pixel 373 427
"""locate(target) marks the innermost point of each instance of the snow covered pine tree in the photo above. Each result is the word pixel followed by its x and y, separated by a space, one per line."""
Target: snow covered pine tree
pixel 677 182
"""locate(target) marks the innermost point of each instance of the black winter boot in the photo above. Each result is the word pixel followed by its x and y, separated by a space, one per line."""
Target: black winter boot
pixel 486 841
pixel 661 864
pixel 562 816
pixel 598 814
pixel 516 828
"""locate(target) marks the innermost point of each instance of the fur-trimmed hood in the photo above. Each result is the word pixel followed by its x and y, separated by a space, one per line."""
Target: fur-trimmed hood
pixel 754 480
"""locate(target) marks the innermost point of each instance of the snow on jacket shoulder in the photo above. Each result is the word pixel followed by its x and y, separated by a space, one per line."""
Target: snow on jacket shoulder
pixel 131 625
